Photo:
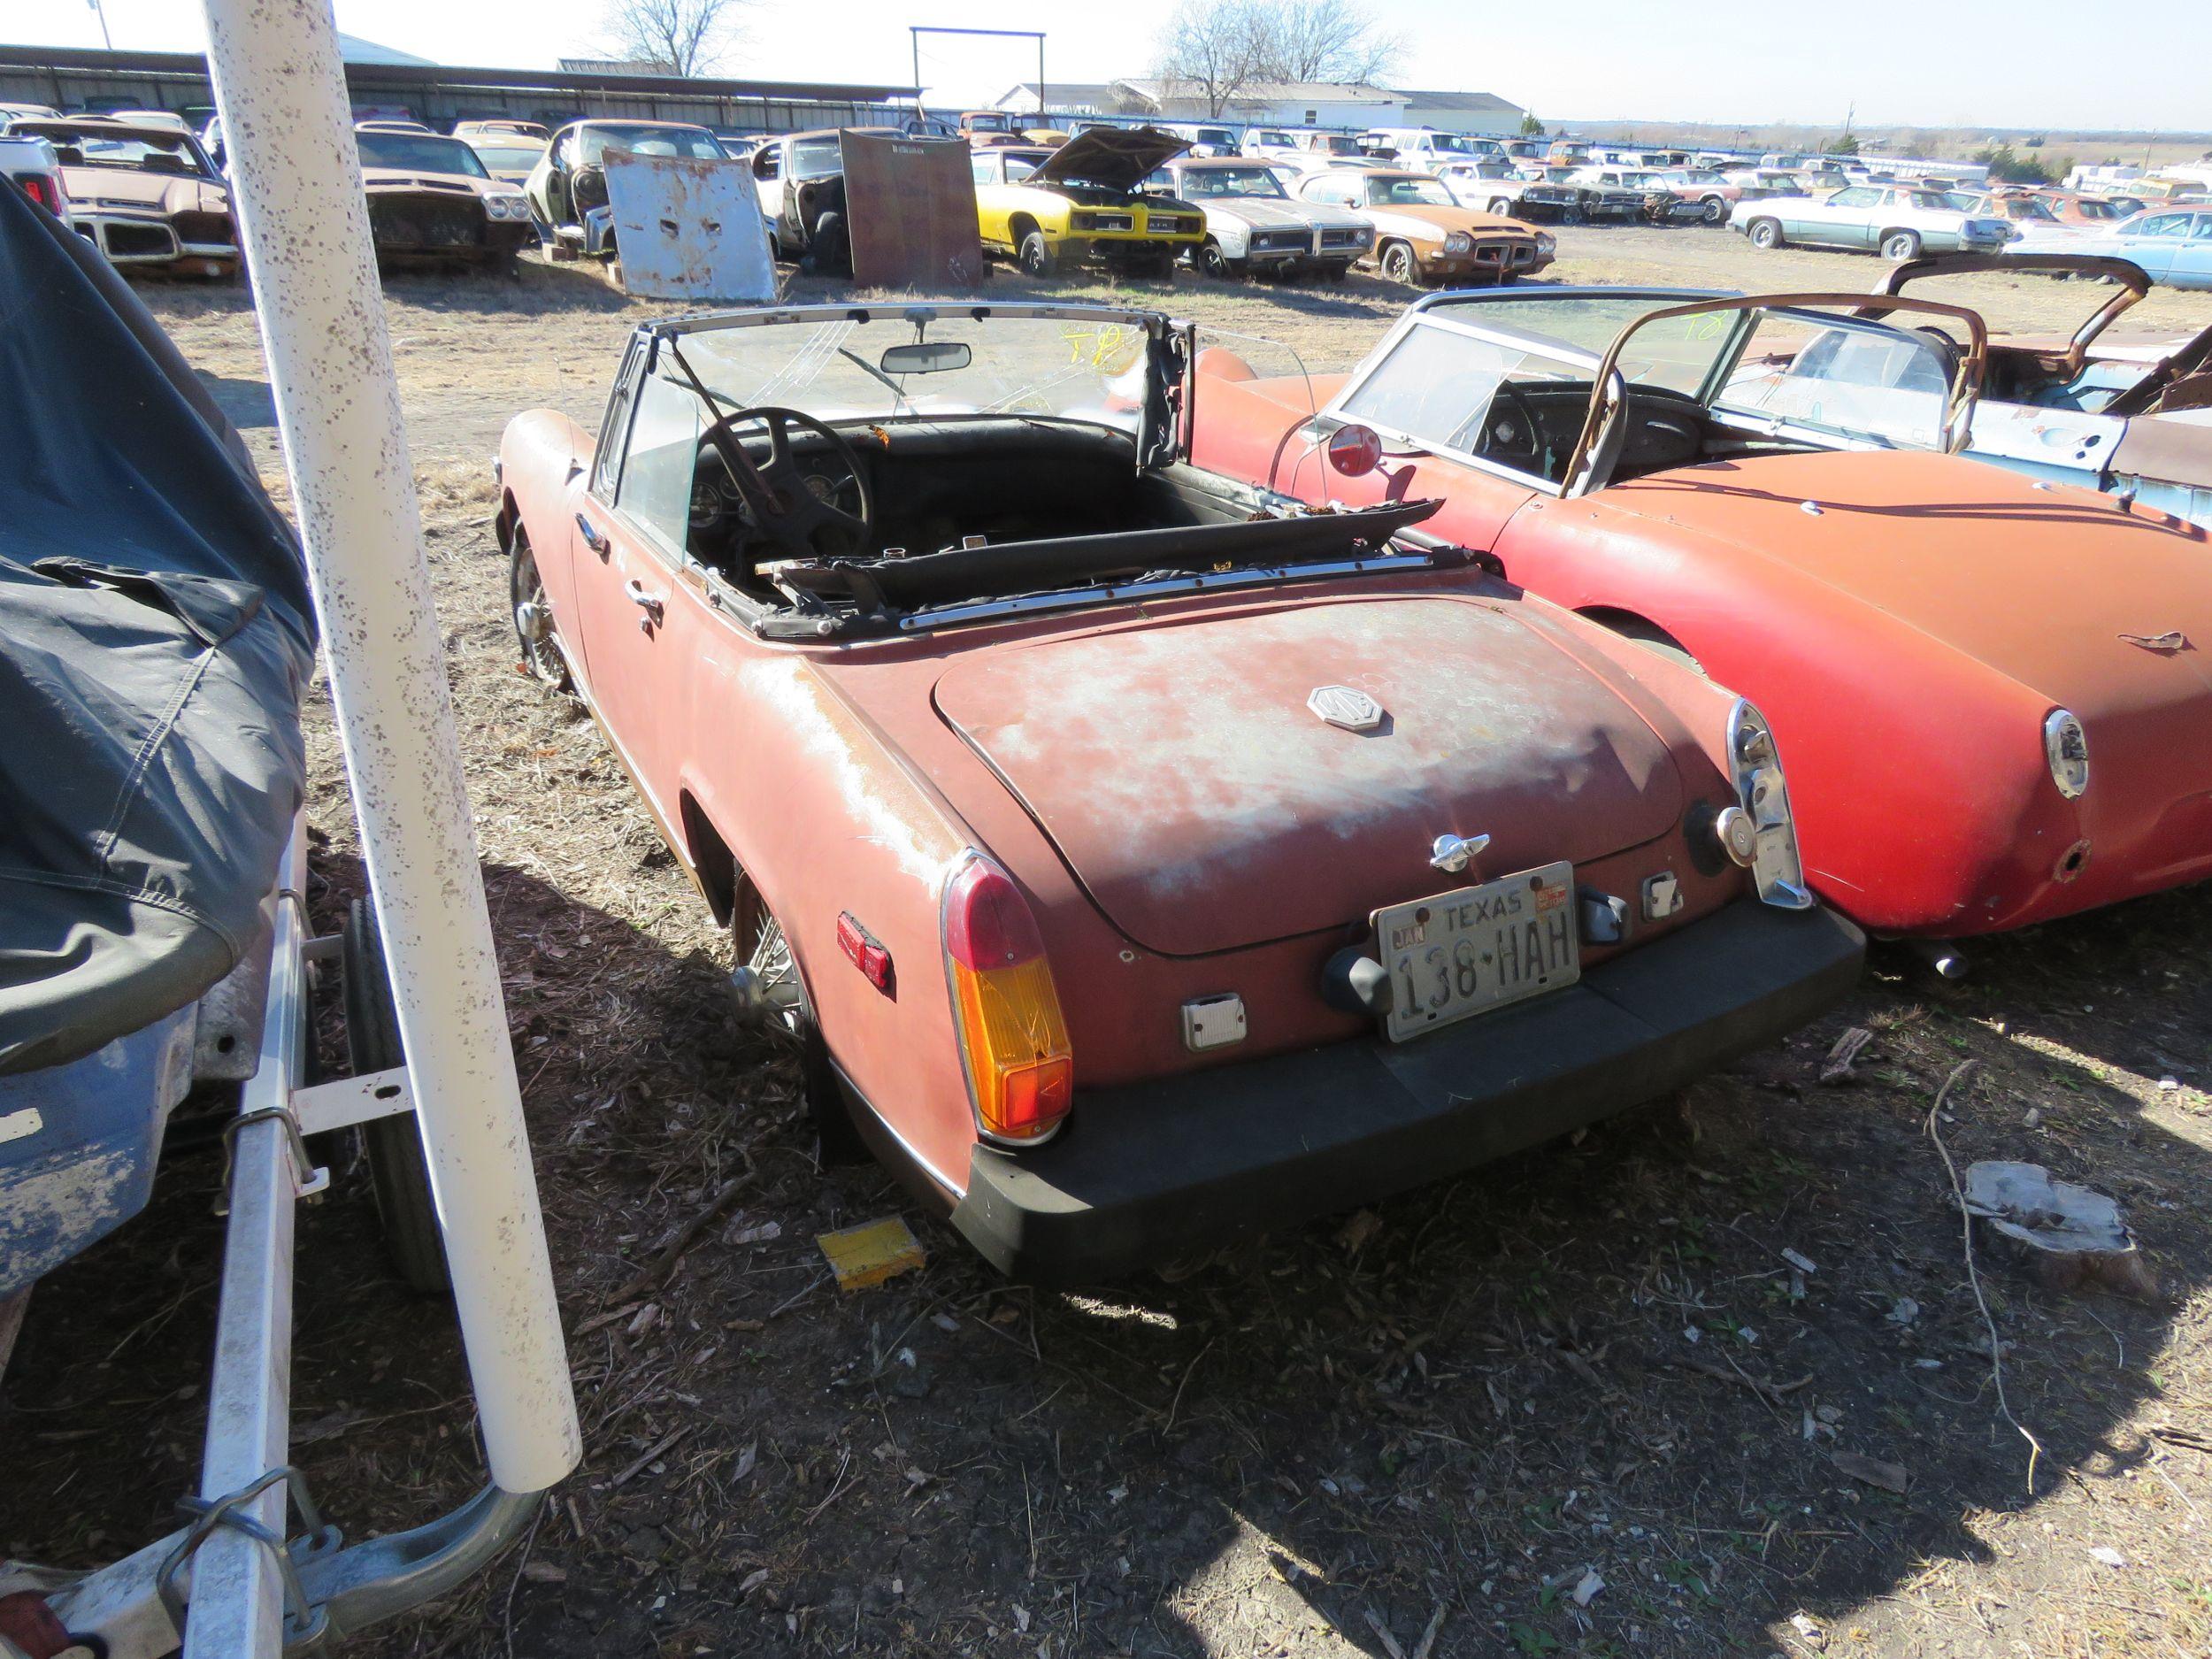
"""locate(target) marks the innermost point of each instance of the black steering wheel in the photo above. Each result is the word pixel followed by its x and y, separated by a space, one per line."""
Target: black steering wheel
pixel 1533 453
pixel 783 516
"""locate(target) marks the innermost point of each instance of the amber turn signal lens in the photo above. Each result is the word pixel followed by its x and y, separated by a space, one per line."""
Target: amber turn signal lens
pixel 1013 1039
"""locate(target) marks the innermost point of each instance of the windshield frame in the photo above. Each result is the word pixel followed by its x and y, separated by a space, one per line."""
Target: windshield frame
pixel 1459 312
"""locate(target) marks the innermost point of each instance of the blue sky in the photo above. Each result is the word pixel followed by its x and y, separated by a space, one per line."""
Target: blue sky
pixel 1954 62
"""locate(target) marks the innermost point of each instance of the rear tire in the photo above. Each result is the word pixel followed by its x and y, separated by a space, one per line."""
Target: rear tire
pixel 399 1175
pixel 1901 245
pixel 1766 234
pixel 1716 211
pixel 758 939
pixel 541 657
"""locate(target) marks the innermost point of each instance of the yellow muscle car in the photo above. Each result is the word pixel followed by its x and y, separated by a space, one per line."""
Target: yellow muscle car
pixel 1044 208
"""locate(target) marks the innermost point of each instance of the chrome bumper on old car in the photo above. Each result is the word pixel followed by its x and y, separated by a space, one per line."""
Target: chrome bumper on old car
pixel 1155 1172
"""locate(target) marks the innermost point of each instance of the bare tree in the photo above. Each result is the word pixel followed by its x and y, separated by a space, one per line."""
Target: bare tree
pixel 1210 50
pixel 1324 40
pixel 678 37
pixel 1214 50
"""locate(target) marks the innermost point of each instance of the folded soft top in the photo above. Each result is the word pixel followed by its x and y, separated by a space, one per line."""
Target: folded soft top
pixel 156 637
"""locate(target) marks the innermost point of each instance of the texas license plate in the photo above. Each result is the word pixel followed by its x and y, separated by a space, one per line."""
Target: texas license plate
pixel 1477 948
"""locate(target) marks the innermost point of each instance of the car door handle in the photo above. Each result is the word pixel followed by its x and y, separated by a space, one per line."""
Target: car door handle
pixel 647 601
pixel 597 543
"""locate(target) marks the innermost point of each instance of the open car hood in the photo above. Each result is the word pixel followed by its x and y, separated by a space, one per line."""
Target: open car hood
pixel 1205 806
pixel 1119 159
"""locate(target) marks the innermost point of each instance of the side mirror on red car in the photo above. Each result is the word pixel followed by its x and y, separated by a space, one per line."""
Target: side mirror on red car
pixel 1356 450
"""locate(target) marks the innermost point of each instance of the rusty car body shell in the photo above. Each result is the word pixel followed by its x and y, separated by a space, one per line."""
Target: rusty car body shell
pixel 1148 773
pixel 2128 418
pixel 1908 620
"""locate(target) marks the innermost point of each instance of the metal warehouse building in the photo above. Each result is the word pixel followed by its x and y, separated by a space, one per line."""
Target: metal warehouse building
pixel 439 94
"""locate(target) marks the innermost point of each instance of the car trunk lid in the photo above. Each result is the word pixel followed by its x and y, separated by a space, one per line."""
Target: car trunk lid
pixel 1205 806
pixel 2121 628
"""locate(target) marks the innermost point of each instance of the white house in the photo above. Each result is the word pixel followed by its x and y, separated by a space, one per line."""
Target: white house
pixel 1352 106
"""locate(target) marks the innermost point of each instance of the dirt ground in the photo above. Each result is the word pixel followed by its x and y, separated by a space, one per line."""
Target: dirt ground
pixel 1712 1380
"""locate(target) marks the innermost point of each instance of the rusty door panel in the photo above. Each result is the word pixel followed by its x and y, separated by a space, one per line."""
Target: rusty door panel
pixel 689 229
pixel 910 204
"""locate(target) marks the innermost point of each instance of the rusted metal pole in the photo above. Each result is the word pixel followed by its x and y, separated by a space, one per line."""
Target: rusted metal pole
pixel 304 221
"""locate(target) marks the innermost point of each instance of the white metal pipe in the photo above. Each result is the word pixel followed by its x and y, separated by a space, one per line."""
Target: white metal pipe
pixel 237 1586
pixel 303 222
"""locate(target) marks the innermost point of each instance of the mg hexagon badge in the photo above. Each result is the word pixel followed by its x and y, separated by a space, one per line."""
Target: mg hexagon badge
pixel 1341 705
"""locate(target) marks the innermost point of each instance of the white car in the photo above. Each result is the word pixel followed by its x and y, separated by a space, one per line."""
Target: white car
pixel 1270 143
pixel 1425 150
pixel 1496 187
pixel 32 164
pixel 1206 137
pixel 2173 245
pixel 1895 221
pixel 1253 224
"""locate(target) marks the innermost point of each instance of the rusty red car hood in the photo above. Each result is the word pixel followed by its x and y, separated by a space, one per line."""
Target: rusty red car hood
pixel 1204 807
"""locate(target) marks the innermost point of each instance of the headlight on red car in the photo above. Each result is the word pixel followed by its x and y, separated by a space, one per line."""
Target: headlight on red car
pixel 2066 745
pixel 1006 1010
pixel 1758 831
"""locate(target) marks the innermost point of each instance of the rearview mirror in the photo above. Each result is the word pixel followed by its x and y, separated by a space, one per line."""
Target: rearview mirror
pixel 926 357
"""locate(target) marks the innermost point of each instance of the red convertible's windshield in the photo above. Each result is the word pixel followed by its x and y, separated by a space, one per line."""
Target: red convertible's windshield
pixel 1082 368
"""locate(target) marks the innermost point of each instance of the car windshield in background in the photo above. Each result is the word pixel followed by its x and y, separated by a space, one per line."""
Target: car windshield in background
pixel 508 159
pixel 133 152
pixel 1198 183
pixel 1408 192
pixel 817 158
pixel 1085 369
pixel 418 152
pixel 1863 381
pixel 695 145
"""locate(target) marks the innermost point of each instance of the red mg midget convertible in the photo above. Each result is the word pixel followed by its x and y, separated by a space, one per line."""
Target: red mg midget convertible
pixel 1140 858
pixel 1993 690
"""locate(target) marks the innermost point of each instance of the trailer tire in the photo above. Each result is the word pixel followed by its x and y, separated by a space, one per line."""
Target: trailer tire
pixel 399 1176
pixel 1765 235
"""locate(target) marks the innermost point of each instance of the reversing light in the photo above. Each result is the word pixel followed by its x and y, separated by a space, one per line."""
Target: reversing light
pixel 1013 1039
pixel 2066 745
pixel 1763 798
pixel 1356 450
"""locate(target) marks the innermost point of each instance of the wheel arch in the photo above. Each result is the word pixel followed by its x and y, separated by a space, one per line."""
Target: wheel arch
pixel 1633 625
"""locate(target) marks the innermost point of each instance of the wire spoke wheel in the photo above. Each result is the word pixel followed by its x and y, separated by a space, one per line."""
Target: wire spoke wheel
pixel 541 657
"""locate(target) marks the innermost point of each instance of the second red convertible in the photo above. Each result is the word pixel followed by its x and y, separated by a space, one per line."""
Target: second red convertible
pixel 1139 857
pixel 1992 689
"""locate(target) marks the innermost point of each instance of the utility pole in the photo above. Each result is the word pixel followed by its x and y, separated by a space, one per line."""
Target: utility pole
pixel 105 37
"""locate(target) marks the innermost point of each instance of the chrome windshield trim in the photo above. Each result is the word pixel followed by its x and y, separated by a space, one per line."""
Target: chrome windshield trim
pixel 909 311
pixel 1256 576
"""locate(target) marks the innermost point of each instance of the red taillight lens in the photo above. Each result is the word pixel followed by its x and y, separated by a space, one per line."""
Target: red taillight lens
pixel 1013 1039
pixel 41 189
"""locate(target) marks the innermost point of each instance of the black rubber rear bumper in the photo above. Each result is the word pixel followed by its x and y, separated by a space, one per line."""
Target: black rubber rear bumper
pixel 1156 1170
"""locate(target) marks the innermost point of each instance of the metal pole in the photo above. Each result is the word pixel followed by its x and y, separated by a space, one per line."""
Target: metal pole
pixel 914 40
pixel 1043 118
pixel 237 1595
pixel 304 221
